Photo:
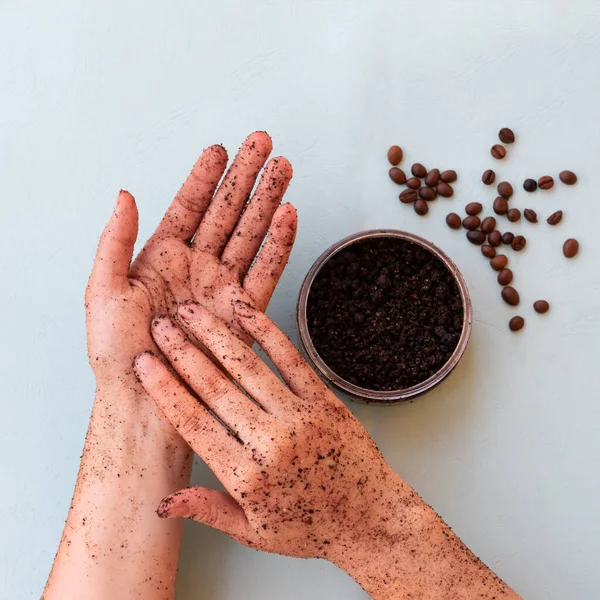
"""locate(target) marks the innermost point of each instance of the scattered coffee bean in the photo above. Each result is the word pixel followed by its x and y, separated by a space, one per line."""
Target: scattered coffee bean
pixel 570 248
pixel 448 176
pixel 408 196
pixel 495 238
pixel 508 237
pixel 453 221
pixel 506 135
pixel 499 262
pixel 488 225
pixel 395 155
pixel 498 151
pixel 530 215
pixel 505 189
pixel 471 222
pixel 541 306
pixel 421 207
pixel 414 183
pixel 488 251
pixel 488 177
pixel 444 190
pixel 418 170
pixel 427 193
pixel 568 177
pixel 530 185
pixel 473 208
pixel 513 215
pixel 516 323
pixel 505 276
pixel 510 295
pixel 397 175
pixel 476 237
pixel 500 205
pixel 555 218
pixel 518 243
pixel 545 182
pixel 432 177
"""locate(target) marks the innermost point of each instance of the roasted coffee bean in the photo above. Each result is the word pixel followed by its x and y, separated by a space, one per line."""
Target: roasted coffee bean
pixel 397 175
pixel 443 189
pixel 570 248
pixel 488 225
pixel 516 323
pixel 518 243
pixel 505 189
pixel 495 238
pixel 476 237
pixel 545 182
pixel 418 170
pixel 432 177
pixel 508 237
pixel 500 205
pixel 471 222
pixel 510 295
pixel 488 177
pixel 448 176
pixel 473 208
pixel 427 193
pixel 513 215
pixel 568 177
pixel 529 185
pixel 453 221
pixel 530 215
pixel 506 135
pixel 488 251
pixel 395 155
pixel 498 151
pixel 541 306
pixel 414 183
pixel 555 218
pixel 499 262
pixel 408 196
pixel 421 207
pixel 505 276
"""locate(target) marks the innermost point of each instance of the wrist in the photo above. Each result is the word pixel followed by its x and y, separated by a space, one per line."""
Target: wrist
pixel 405 550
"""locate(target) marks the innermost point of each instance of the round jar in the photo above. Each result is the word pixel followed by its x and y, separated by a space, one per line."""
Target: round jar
pixel 364 394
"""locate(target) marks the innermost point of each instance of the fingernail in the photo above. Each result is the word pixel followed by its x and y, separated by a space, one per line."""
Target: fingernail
pixel 243 309
pixel 162 324
pixel 169 507
pixel 187 310
pixel 138 360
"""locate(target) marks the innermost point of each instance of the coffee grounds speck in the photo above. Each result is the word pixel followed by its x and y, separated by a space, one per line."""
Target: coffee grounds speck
pixel 384 314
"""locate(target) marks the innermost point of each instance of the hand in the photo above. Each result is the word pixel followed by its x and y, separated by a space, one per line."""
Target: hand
pixel 303 476
pixel 203 249
pixel 113 545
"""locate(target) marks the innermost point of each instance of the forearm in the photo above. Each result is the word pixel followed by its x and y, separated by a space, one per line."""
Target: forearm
pixel 113 544
pixel 407 551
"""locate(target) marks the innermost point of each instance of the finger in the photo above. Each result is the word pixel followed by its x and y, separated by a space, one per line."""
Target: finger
pixel 207 437
pixel 115 248
pixel 296 372
pixel 261 281
pixel 218 392
pixel 210 507
pixel 237 358
pixel 252 227
pixel 230 199
pixel 189 205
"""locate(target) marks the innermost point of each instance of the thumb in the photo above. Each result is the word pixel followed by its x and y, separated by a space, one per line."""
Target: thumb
pixel 210 507
pixel 115 248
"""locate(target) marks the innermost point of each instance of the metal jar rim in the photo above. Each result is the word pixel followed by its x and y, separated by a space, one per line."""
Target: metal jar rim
pixel 365 394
